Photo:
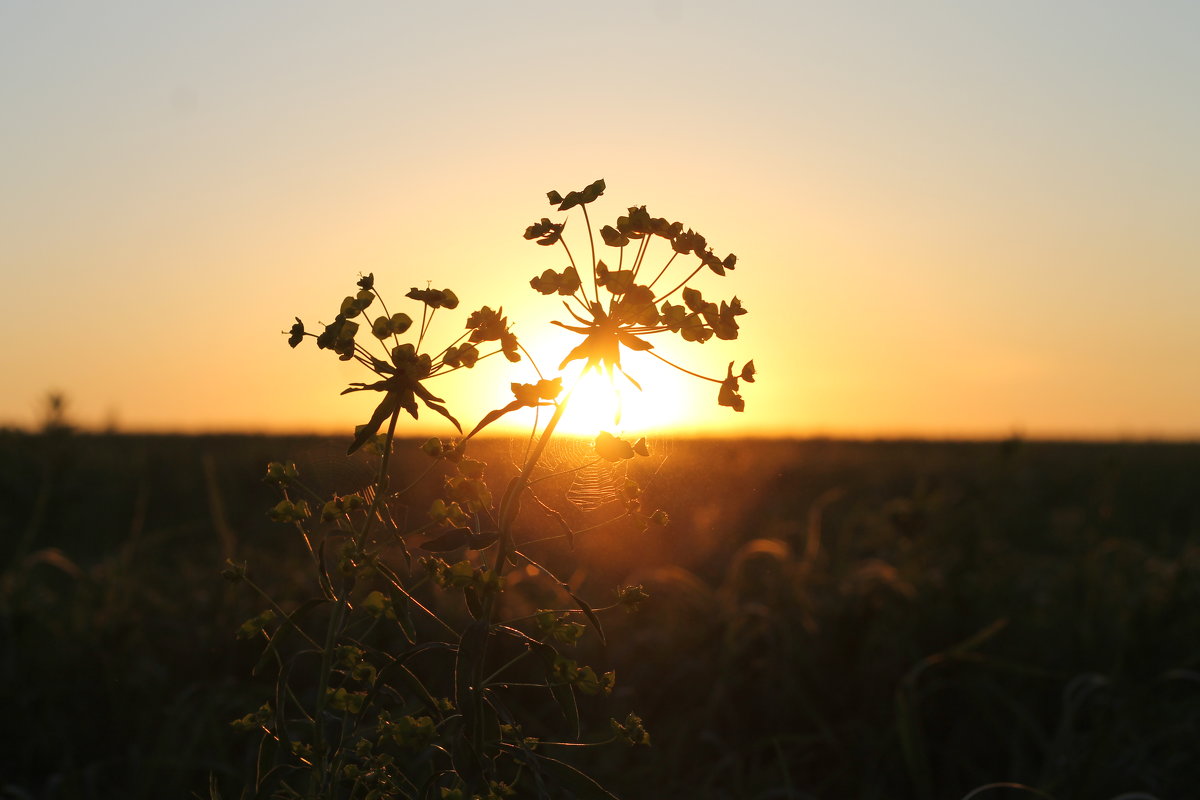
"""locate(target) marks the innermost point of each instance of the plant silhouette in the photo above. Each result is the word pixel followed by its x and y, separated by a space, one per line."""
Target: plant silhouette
pixel 411 677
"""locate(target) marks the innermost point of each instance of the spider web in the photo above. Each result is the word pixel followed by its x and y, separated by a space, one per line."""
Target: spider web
pixel 594 482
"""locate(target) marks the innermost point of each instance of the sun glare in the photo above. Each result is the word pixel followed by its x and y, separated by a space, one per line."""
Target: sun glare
pixel 599 403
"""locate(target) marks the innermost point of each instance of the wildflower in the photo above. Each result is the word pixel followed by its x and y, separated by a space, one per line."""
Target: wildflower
pixel 406 369
pixel 634 310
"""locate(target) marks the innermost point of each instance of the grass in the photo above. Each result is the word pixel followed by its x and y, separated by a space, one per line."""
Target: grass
pixel 827 618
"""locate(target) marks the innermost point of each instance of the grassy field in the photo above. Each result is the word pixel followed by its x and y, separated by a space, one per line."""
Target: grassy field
pixel 828 619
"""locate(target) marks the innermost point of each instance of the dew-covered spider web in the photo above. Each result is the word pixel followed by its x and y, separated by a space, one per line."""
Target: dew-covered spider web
pixel 594 482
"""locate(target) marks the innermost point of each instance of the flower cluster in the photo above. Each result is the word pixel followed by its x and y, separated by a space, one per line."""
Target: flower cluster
pixel 406 367
pixel 633 305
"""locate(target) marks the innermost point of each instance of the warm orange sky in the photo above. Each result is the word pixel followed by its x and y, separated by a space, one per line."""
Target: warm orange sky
pixel 951 219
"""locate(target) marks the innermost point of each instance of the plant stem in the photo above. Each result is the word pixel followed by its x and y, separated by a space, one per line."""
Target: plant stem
pixel 511 502
pixel 681 369
pixel 381 482
pixel 695 272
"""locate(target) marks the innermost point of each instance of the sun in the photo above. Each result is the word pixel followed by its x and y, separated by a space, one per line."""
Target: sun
pixel 603 403
pixel 597 403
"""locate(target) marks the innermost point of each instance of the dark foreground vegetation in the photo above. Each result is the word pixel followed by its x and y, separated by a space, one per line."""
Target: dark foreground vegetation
pixel 827 619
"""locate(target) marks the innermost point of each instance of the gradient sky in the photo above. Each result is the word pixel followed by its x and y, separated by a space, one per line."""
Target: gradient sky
pixel 951 218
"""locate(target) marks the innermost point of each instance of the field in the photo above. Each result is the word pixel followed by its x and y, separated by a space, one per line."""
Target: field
pixel 827 619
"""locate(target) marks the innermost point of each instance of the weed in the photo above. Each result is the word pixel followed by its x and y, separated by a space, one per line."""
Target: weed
pixel 416 677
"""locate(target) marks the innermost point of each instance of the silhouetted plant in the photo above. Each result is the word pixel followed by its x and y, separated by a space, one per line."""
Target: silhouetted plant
pixel 635 310
pixel 414 679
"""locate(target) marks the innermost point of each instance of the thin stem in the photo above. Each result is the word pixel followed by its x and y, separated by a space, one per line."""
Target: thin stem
pixel 561 583
pixel 335 624
pixel 591 239
pixel 439 373
pixel 664 269
pixel 386 313
pixel 510 504
pixel 537 413
pixel 452 344
pixel 426 318
pixel 577 744
pixel 576 533
pixel 581 300
pixel 394 580
pixel 280 612
pixel 695 272
pixel 417 480
pixel 641 253
pixel 532 361
pixel 562 240
pixel 381 482
pixel 526 617
pixel 681 369
pixel 496 674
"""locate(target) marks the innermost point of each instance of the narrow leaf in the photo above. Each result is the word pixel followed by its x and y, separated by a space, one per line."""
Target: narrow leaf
pixel 492 416
pixel 451 540
pixel 563 694
pixel 591 616
pixel 568 777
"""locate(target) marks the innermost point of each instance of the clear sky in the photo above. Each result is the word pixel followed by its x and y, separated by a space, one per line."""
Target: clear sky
pixel 951 218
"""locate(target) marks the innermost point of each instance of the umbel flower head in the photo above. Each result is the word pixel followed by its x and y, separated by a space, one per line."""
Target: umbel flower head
pixel 405 369
pixel 620 308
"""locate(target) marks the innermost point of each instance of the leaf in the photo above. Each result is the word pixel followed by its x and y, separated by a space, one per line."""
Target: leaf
pixel 546 283
pixel 482 541
pixel 690 242
pixel 585 195
pixel 451 540
pixel 563 694
pixel 673 317
pixel 492 416
pixel 466 355
pixel 591 616
pixel 613 237
pixel 633 342
pixel 433 403
pixel 401 322
pixel 474 606
pixel 468 696
pixel 545 231
pixel 296 334
pixel 381 328
pixel 508 344
pixel 618 282
pixel 748 372
pixel 568 282
pixel 728 396
pixel 693 300
pixel 487 325
pixel 549 389
pixel 710 260
pixel 694 330
pixel 434 298
pixel 612 448
pixel 390 404
pixel 323 573
pixel 568 777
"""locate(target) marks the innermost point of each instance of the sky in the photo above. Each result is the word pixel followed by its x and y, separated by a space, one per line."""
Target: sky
pixel 951 219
